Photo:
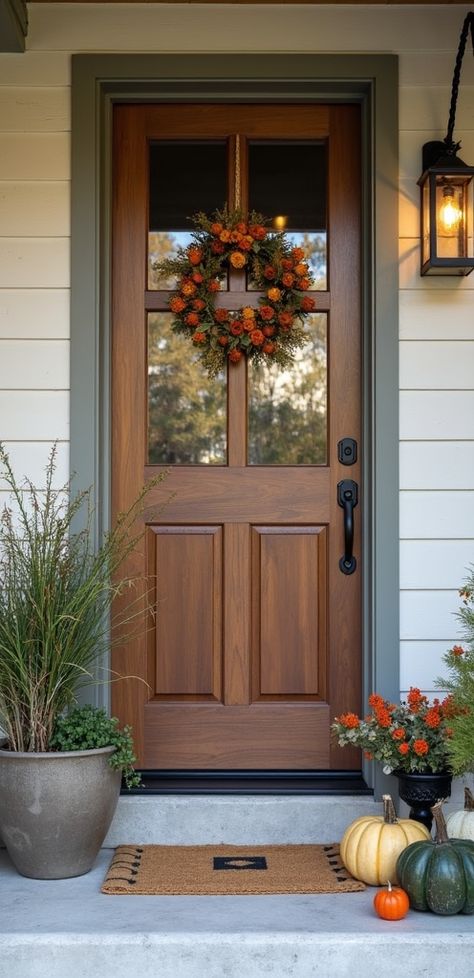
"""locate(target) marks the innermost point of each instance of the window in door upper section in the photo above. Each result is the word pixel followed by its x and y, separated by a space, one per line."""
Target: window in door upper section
pixel 287 182
pixel 186 176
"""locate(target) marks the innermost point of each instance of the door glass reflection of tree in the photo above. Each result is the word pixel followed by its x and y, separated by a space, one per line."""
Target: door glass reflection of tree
pixel 288 408
pixel 186 410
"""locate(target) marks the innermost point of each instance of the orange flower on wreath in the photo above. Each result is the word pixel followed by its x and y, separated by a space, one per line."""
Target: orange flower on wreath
pixel 274 294
pixel 266 312
pixel 192 319
pixel 404 748
pixel 297 253
pixel 177 304
pixel 257 232
pixel 285 319
pixel 235 356
pixel 237 259
pixel 257 337
pixel 221 315
pixel 195 254
pixel 188 288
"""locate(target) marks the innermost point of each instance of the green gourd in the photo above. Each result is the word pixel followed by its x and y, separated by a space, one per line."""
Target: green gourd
pixel 439 875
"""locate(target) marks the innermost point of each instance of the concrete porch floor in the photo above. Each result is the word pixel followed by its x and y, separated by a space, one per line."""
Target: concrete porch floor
pixel 68 929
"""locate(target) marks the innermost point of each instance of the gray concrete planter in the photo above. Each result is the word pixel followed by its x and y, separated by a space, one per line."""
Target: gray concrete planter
pixel 55 809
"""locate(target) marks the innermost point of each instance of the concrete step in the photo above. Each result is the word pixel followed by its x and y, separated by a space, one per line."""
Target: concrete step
pixel 238 819
pixel 54 929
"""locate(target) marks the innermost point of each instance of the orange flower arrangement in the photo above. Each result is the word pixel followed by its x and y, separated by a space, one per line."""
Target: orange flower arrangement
pixel 278 270
pixel 411 736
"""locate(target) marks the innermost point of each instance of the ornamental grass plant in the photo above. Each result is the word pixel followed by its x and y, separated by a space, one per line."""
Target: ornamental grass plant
pixel 412 736
pixel 56 601
pixel 460 685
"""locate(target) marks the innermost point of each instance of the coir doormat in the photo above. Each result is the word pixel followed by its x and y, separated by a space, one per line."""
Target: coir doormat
pixel 211 870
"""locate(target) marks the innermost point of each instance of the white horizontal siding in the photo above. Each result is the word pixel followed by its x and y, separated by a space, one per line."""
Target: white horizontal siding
pixel 437 315
pixel 34 109
pixel 437 516
pixel 436 465
pixel 36 415
pixel 34 314
pixel 35 156
pixel 437 415
pixel 30 458
pixel 31 208
pixel 436 373
pixel 422 663
pixel 45 68
pixel 429 615
pixel 34 263
pixel 436 365
pixel 424 107
pixel 434 564
pixel 34 365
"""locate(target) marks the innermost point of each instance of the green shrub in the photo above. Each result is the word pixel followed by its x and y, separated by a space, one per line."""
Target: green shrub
pixel 86 728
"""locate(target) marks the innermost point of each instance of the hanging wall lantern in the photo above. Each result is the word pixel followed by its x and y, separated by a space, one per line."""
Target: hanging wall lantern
pixel 447 193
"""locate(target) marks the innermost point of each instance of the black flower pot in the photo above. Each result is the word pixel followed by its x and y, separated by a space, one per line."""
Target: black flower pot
pixel 421 791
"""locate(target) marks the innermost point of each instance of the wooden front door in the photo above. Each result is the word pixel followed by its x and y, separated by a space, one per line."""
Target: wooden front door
pixel 256 643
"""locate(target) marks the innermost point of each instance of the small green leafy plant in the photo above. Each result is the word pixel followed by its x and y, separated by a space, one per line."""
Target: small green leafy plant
pixel 460 684
pixel 86 728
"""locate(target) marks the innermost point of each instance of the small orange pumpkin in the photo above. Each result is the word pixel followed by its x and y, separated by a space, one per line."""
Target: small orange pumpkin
pixel 391 903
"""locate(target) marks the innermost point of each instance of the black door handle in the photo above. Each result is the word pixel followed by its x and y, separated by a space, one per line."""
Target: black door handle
pixel 347 497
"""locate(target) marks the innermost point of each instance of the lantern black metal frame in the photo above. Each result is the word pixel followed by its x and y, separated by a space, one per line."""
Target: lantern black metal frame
pixel 440 159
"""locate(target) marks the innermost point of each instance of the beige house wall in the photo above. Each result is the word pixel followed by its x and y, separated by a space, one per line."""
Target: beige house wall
pixel 436 314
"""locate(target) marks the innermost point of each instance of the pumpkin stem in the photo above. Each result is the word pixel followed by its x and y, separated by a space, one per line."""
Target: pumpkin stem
pixel 440 822
pixel 389 813
pixel 468 800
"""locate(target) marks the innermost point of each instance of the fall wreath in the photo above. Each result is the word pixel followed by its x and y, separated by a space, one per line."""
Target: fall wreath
pixel 270 331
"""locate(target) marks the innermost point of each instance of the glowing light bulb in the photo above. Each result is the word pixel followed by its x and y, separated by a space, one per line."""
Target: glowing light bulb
pixel 450 213
pixel 280 222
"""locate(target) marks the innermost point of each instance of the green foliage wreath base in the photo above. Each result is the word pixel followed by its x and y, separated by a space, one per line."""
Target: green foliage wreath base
pixel 273 266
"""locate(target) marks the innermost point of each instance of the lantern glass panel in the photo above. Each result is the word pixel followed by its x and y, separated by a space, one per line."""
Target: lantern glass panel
pixel 451 216
pixel 425 212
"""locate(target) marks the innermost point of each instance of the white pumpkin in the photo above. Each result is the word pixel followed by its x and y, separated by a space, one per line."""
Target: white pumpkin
pixel 460 825
pixel 372 844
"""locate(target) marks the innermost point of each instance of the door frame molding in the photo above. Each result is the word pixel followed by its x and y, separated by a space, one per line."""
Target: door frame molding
pixel 98 81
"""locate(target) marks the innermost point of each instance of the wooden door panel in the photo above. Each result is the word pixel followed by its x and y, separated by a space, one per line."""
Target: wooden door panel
pixel 257 638
pixel 217 737
pixel 289 632
pixel 244 494
pixel 188 629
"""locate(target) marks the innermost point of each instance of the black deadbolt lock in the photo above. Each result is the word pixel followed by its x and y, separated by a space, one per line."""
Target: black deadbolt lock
pixel 347 451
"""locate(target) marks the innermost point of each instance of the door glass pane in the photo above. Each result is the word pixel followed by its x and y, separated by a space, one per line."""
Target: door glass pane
pixel 185 177
pixel 288 408
pixel 287 182
pixel 187 413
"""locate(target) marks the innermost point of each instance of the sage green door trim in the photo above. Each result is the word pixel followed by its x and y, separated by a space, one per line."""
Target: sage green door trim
pixel 371 80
